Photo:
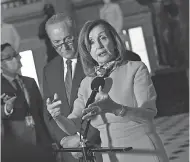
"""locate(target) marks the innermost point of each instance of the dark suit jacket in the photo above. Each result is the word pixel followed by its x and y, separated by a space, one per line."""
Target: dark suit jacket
pixel 10 142
pixel 53 82
pixel 131 56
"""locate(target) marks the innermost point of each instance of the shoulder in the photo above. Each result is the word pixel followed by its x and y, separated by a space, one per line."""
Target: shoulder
pixel 57 60
pixel 131 56
pixel 134 66
pixel 86 81
pixel 28 80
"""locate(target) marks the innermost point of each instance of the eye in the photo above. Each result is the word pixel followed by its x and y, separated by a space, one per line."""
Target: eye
pixel 57 42
pixel 103 37
pixel 69 39
pixel 91 41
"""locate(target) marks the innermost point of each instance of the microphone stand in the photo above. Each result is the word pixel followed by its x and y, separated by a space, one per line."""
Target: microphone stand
pixel 88 151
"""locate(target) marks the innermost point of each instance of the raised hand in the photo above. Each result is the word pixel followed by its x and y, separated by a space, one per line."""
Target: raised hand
pixel 9 102
pixel 53 107
pixel 102 104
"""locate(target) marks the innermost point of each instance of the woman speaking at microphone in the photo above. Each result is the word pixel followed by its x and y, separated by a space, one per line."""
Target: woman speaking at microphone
pixel 124 109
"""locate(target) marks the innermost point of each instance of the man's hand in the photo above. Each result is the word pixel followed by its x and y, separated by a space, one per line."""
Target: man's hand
pixel 53 107
pixel 9 102
pixel 72 141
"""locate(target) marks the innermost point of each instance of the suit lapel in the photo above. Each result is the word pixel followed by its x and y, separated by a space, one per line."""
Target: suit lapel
pixel 6 86
pixel 78 76
pixel 58 79
pixel 26 89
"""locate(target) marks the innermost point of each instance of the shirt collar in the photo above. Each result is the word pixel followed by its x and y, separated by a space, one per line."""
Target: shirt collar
pixel 74 61
pixel 9 78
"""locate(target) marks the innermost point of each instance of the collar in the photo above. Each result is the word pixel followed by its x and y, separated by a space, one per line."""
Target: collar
pixel 74 61
pixel 9 78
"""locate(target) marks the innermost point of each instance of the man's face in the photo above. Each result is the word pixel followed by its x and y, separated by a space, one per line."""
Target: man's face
pixel 63 40
pixel 10 61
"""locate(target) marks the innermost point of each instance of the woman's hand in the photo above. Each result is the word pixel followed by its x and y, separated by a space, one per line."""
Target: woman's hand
pixel 53 107
pixel 103 104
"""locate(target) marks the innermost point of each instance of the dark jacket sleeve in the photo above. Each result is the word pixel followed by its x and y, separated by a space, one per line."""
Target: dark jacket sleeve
pixel 56 133
pixel 93 135
pixel 131 56
pixel 3 115
pixel 42 133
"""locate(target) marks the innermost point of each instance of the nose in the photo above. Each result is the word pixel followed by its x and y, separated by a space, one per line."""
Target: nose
pixel 65 46
pixel 99 44
pixel 18 58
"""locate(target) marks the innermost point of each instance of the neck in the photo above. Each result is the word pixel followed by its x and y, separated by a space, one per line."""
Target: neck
pixel 12 75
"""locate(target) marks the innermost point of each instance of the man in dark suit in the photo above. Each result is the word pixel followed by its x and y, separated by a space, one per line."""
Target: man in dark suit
pixel 62 78
pixel 25 137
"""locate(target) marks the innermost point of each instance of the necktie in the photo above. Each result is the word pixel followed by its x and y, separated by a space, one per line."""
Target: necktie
pixel 68 79
pixel 18 88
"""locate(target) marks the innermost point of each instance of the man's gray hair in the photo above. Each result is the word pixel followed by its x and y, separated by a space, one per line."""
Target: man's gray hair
pixel 60 17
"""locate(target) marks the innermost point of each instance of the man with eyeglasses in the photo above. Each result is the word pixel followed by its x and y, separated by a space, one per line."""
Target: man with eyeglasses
pixel 25 137
pixel 62 78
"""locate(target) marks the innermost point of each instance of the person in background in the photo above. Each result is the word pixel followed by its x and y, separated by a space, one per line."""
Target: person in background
pixel 25 137
pixel 112 13
pixel 124 109
pixel 49 12
pixel 62 78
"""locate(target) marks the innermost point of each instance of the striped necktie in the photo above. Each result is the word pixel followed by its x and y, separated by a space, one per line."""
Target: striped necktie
pixel 68 79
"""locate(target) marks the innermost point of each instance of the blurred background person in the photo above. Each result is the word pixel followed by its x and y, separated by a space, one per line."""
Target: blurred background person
pixel 25 134
pixel 49 12
pixel 111 12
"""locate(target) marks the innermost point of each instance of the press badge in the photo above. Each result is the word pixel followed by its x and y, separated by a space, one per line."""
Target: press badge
pixel 29 121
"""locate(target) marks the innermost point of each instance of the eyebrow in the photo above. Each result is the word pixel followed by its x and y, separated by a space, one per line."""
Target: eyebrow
pixel 104 31
pixel 55 41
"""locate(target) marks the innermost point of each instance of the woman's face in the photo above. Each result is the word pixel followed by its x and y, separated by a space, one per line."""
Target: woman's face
pixel 101 45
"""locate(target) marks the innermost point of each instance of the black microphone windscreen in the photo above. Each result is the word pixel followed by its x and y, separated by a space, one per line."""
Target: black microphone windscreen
pixel 97 82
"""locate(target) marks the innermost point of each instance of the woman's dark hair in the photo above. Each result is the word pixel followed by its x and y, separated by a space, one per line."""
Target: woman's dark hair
pixel 88 62
pixel 3 46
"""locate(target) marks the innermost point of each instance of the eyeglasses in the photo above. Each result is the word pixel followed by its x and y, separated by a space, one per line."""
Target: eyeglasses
pixel 66 41
pixel 15 55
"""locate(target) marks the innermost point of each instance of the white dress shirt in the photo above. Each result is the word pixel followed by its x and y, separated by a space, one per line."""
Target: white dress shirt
pixel 74 62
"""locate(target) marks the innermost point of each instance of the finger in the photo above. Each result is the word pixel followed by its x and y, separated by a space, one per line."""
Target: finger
pixel 3 95
pixel 54 105
pixel 100 89
pixel 56 110
pixel 12 99
pixel 56 113
pixel 7 97
pixel 87 110
pixel 48 101
pixel 89 115
pixel 56 96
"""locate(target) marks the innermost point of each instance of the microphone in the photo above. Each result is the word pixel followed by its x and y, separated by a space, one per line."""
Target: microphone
pixel 96 83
